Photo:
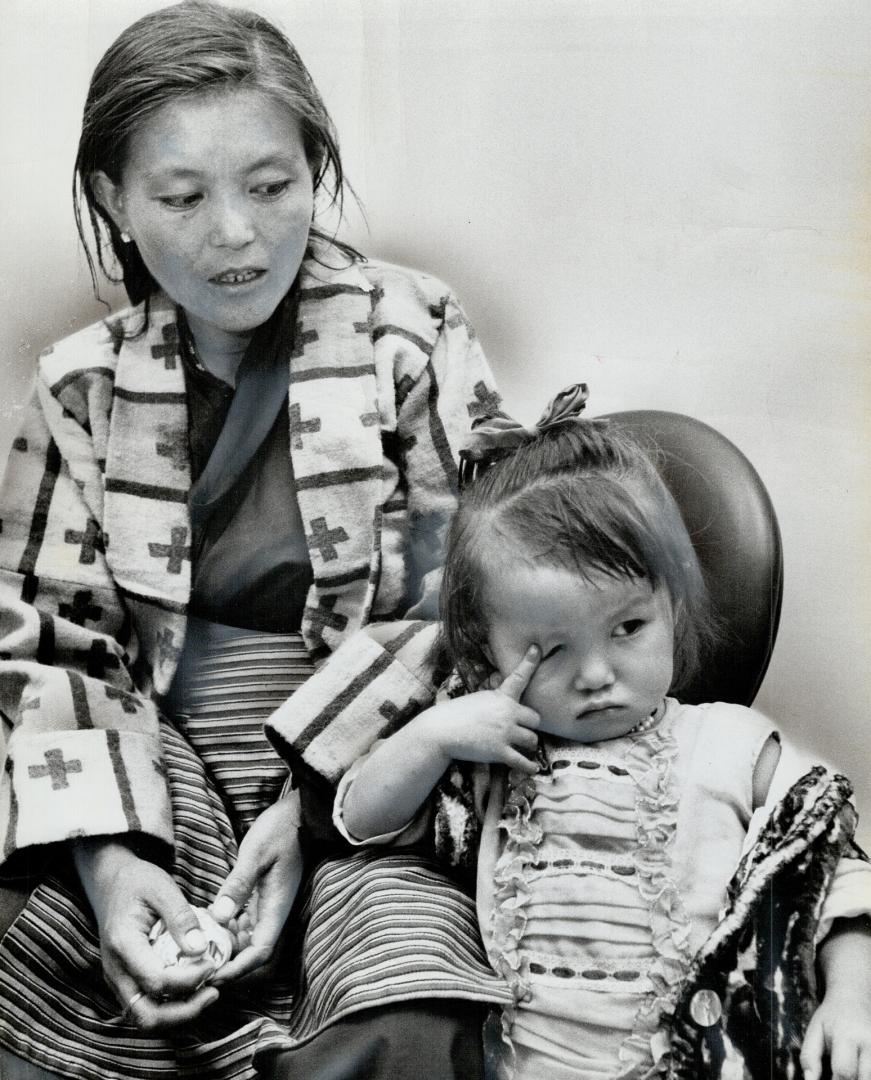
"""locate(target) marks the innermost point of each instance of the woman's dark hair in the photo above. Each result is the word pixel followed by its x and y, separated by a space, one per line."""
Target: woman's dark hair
pixel 190 48
pixel 581 496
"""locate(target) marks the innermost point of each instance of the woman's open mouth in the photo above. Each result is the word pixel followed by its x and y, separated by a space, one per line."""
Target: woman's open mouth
pixel 237 277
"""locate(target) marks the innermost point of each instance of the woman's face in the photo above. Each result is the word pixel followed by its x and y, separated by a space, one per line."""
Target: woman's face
pixel 216 192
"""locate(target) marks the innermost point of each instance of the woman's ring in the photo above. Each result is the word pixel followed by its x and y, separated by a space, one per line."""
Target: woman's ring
pixel 128 1008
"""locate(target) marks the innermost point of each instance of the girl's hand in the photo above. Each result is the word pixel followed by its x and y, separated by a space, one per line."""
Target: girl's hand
pixel 264 881
pixel 128 895
pixel 490 725
pixel 840 1031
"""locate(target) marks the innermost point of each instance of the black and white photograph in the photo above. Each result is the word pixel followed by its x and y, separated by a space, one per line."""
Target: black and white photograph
pixel 435 613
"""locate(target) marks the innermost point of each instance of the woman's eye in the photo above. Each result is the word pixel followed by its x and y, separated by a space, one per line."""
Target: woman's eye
pixel 274 189
pixel 181 202
pixel 629 627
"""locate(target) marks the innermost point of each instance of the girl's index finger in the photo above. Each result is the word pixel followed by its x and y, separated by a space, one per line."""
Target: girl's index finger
pixel 515 682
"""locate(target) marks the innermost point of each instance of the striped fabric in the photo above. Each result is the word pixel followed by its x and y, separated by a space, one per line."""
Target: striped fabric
pixel 382 929
pixel 422 943
pixel 227 682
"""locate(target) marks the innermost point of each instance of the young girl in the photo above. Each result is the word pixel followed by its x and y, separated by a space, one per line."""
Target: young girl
pixel 606 852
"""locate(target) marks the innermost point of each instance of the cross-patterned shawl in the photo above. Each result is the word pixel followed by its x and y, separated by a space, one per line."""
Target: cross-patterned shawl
pixel 95 540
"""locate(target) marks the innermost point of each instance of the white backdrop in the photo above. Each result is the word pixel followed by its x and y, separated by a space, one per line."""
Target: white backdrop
pixel 670 201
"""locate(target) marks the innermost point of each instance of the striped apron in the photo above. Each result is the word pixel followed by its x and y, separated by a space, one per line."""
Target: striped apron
pixel 375 929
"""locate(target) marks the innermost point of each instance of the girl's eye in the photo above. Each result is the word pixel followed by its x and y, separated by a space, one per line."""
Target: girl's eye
pixel 629 627
pixel 181 202
pixel 274 189
pixel 551 652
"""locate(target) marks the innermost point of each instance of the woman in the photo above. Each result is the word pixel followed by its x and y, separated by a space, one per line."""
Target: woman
pixel 212 491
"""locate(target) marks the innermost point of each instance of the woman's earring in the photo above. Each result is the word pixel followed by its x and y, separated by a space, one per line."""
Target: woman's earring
pixel 126 238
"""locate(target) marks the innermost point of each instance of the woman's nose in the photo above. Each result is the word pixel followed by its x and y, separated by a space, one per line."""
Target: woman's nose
pixel 594 673
pixel 231 226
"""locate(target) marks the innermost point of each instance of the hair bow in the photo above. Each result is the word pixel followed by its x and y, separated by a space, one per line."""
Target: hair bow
pixel 495 435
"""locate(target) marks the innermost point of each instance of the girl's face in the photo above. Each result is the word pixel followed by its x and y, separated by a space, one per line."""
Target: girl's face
pixel 217 194
pixel 607 646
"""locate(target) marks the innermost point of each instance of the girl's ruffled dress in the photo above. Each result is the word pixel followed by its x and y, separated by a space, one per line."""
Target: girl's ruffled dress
pixel 600 877
pixel 598 880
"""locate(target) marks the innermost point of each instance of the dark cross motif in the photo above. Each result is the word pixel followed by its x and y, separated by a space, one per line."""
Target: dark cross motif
pixel 369 419
pixel 300 427
pixel 128 702
pixel 56 768
pixel 325 539
pixel 176 551
pixel 395 716
pixel 403 389
pixel 20 444
pixel 168 351
pixel 91 541
pixel 99 659
pixel 300 339
pixel 166 647
pixel 174 446
pixel 376 295
pixel 324 616
pixel 487 401
pixel 81 610
pixel 116 333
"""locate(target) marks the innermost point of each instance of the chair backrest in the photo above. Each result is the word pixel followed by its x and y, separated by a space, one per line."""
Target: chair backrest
pixel 734 530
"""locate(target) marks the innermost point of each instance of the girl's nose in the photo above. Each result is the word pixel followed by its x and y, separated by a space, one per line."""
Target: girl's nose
pixel 232 226
pixel 594 673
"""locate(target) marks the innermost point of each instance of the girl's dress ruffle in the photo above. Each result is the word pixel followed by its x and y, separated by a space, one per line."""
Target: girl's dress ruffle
pixel 511 891
pixel 650 761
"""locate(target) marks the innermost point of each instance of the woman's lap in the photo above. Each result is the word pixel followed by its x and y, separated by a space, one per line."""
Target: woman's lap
pixel 439 1040
pixel 436 1040
pixel 398 922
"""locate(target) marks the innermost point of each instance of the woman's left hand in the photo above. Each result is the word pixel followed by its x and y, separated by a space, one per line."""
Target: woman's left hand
pixel 264 881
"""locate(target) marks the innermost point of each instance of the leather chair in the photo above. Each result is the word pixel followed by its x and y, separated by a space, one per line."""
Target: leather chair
pixel 734 530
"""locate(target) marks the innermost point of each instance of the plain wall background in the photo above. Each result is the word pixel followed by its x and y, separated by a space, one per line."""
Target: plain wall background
pixel 669 201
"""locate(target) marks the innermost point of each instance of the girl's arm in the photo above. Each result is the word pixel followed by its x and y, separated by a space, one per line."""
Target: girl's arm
pixel 839 1032
pixel 395 780
pixel 840 1029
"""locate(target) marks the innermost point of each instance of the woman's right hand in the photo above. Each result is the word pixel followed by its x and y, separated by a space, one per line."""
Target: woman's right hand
pixel 128 894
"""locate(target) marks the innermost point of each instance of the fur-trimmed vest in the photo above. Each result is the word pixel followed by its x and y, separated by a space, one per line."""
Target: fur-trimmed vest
pixel 751 990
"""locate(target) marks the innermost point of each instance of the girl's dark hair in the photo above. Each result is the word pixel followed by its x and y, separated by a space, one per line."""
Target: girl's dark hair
pixel 585 497
pixel 190 48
